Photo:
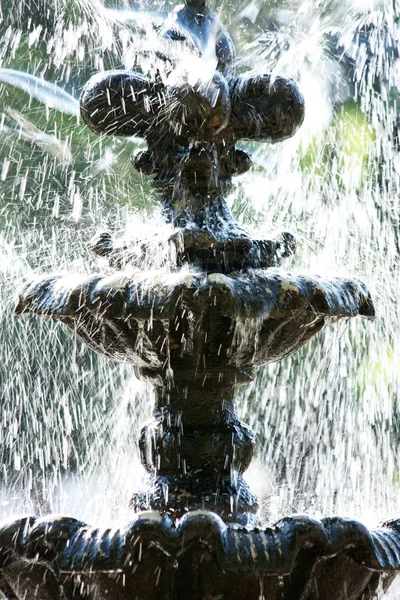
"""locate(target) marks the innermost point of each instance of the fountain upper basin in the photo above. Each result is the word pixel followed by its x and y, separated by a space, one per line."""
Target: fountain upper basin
pixel 189 320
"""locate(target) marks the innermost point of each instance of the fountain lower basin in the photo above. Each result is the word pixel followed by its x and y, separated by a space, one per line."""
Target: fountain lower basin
pixel 199 557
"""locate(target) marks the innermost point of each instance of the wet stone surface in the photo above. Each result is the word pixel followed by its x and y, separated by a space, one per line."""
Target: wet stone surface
pixel 191 122
pixel 198 557
pixel 197 336
pixel 190 319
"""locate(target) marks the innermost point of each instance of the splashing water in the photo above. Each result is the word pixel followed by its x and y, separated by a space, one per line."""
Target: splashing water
pixel 330 412
pixel 327 417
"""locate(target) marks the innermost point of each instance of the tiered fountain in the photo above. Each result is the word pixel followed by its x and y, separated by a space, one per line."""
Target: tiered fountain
pixel 217 308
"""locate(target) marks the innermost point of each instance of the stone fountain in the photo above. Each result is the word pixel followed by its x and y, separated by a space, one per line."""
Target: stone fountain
pixel 218 306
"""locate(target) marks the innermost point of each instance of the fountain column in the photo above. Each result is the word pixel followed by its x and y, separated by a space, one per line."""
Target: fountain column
pixel 197 449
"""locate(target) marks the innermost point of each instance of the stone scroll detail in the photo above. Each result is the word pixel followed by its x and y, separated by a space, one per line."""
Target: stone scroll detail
pixel 191 118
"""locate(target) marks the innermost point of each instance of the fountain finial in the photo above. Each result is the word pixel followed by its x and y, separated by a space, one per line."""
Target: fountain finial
pixel 200 333
pixel 197 4
pixel 192 118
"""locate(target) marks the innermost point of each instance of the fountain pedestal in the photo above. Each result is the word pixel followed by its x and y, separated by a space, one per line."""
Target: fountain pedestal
pixel 197 449
pixel 196 329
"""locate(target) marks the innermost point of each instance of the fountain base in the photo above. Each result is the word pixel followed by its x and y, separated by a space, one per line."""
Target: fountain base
pixel 197 557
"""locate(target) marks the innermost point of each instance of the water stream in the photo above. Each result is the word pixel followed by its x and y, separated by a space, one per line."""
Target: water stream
pixel 327 418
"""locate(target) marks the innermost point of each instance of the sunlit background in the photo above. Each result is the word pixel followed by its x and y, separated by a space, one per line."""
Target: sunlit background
pixel 327 419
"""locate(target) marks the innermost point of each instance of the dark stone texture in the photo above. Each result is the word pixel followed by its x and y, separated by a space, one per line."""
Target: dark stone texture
pixel 200 557
pixel 197 437
pixel 278 102
pixel 188 321
pixel 191 133
pixel 120 103
pixel 193 245
pixel 204 336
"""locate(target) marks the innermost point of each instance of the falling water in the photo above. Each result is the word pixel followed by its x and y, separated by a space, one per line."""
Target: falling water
pixel 327 417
